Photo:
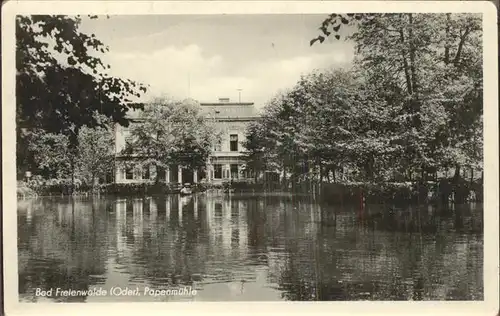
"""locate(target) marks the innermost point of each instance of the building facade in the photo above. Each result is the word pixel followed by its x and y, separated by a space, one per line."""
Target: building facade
pixel 225 162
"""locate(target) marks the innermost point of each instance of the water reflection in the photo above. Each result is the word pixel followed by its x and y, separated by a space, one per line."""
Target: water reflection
pixel 249 248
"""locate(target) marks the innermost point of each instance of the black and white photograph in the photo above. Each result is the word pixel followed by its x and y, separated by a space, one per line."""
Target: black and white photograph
pixel 159 153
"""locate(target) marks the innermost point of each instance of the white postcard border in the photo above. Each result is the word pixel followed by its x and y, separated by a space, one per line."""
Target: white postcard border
pixel 491 221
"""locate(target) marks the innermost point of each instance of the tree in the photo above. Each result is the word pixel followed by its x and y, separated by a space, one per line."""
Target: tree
pixel 61 82
pixel 58 62
pixel 258 158
pixel 95 154
pixel 52 157
pixel 429 66
pixel 171 133
pixel 328 123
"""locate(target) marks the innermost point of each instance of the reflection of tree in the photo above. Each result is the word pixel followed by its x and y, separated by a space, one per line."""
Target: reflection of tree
pixel 426 219
pixel 63 247
pixel 398 260
pixel 49 276
pixel 256 216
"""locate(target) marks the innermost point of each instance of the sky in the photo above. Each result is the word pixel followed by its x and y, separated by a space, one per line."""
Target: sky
pixel 212 56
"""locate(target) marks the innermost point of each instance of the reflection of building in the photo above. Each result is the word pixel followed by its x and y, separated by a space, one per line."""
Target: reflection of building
pixel 225 163
pixel 227 222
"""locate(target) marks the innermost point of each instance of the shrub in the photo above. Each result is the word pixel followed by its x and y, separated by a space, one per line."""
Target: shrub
pixel 376 193
pixel 243 186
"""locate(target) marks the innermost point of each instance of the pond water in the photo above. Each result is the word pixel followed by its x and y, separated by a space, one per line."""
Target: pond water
pixel 210 247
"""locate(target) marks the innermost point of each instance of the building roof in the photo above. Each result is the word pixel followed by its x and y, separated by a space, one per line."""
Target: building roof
pixel 220 110
pixel 229 110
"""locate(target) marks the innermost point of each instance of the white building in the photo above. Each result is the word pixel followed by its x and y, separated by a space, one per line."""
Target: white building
pixel 226 161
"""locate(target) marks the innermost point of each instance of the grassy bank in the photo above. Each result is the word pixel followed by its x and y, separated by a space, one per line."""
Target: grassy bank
pixel 443 191
pixel 64 188
pixel 24 191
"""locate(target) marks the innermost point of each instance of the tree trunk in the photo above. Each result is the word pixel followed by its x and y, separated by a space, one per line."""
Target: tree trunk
pixel 73 151
pixel 456 60
pixel 413 69
pixel 456 176
pixel 369 168
pixel 320 172
pixel 405 64
pixel 447 44
pixel 284 177
pixel 415 103
pixel 93 182
pixel 72 176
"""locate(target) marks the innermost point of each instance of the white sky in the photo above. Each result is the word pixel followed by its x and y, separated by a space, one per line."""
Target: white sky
pixel 207 57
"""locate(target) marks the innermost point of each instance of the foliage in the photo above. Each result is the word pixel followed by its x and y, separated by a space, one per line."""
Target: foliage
pixel 410 106
pixel 61 82
pixel 171 133
pixel 55 158
pixel 23 190
pixel 433 62
pixel 52 155
pixel 65 187
pixel 95 154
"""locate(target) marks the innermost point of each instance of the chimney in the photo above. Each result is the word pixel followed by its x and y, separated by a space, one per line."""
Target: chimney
pixel 224 100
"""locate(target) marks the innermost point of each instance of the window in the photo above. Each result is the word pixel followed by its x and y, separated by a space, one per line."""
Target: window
pixel 234 171
pixel 248 173
pixel 174 173
pixel 145 173
pixel 217 171
pixel 218 145
pixel 159 172
pixel 129 174
pixel 129 142
pixel 233 142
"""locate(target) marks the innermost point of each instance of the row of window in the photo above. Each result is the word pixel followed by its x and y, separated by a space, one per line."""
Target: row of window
pixel 218 173
pixel 145 174
pixel 139 175
pixel 231 173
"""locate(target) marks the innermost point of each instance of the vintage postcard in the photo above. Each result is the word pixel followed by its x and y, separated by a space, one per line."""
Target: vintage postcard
pixel 250 157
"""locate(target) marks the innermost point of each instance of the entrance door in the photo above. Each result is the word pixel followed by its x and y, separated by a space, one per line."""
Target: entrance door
pixel 187 175
pixel 234 171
